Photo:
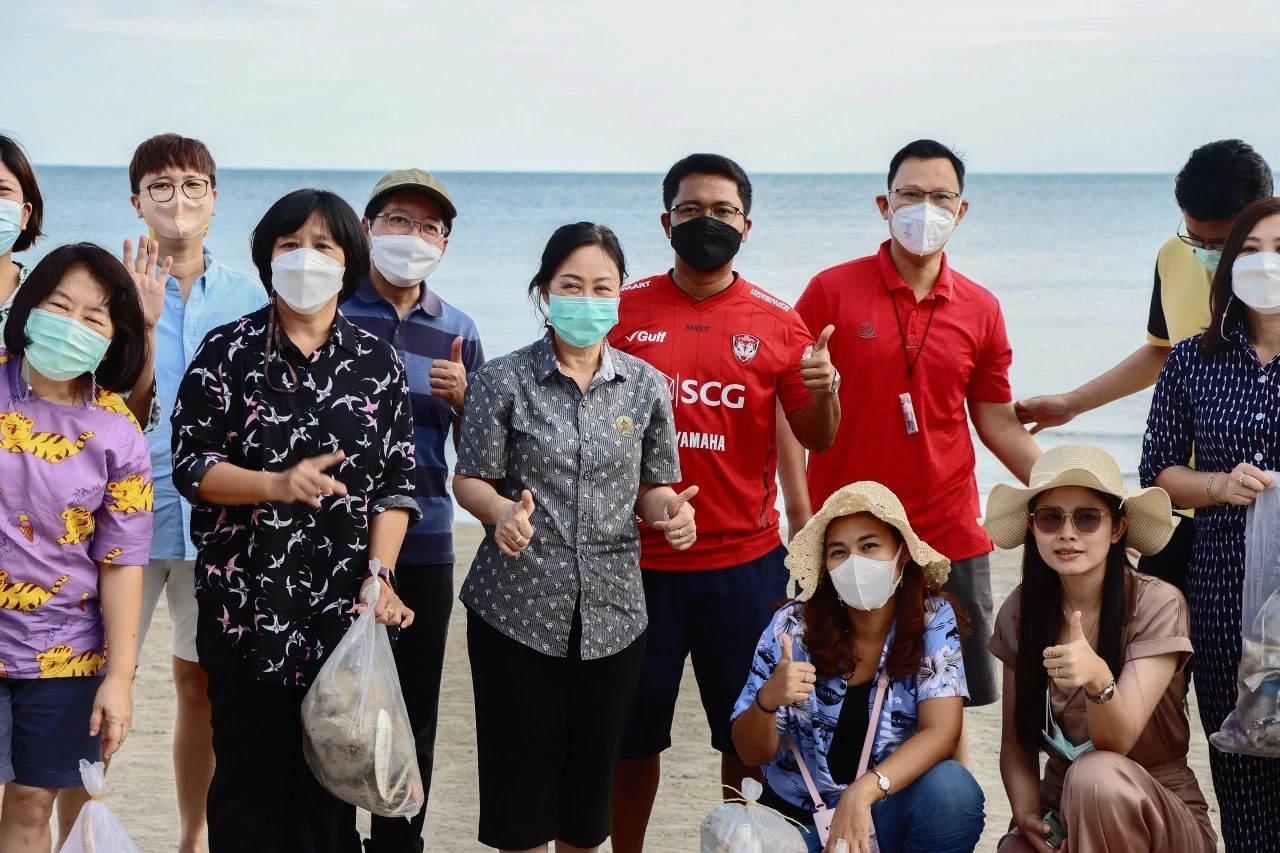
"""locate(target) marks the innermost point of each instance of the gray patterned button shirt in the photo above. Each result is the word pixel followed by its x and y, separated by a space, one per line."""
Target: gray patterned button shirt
pixel 583 456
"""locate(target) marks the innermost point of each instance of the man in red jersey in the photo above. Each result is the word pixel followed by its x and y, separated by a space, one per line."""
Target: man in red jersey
pixel 923 342
pixel 732 354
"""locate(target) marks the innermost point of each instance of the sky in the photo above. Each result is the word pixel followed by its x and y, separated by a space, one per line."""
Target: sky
pixel 594 85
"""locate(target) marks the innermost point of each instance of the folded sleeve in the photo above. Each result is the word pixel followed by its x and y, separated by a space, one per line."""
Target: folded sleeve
pixel 660 456
pixel 199 438
pixel 1004 636
pixel 393 482
pixel 989 382
pixel 486 425
pixel 941 673
pixel 1160 623
pixel 1171 422
pixel 122 524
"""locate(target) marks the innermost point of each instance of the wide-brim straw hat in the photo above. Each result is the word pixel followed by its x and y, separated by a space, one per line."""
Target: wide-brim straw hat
pixel 807 553
pixel 1149 512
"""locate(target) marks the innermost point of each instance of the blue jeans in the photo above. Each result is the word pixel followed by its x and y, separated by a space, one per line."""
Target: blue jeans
pixel 942 812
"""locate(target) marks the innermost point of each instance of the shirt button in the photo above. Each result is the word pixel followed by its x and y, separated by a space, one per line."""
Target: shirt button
pixel 1259 417
pixel 1257 457
pixel 1262 378
pixel 586 436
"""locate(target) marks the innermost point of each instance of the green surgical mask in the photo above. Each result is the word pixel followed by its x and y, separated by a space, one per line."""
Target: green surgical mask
pixel 1209 258
pixel 1055 738
pixel 581 321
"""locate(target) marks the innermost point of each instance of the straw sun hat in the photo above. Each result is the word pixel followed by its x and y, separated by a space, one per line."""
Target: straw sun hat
pixel 806 557
pixel 1148 510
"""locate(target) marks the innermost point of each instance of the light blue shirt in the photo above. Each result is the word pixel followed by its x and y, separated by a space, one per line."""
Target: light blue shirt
pixel 218 297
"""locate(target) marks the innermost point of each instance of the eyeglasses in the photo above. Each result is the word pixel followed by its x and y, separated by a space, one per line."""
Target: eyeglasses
pixel 1049 520
pixel 942 198
pixel 1197 243
pixel 726 213
pixel 398 223
pixel 193 188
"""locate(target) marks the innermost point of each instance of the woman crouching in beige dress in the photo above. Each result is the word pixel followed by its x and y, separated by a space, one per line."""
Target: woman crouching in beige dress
pixel 1093 658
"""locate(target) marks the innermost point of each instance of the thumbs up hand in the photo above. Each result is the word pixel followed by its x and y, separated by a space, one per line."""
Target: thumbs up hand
pixel 512 530
pixel 677 524
pixel 816 369
pixel 449 378
pixel 1075 663
pixel 791 682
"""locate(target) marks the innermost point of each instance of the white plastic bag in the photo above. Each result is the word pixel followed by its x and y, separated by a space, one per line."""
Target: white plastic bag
pixel 1253 727
pixel 96 830
pixel 358 740
pixel 750 828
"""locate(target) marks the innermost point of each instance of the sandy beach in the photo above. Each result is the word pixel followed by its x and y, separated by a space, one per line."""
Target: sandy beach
pixel 140 785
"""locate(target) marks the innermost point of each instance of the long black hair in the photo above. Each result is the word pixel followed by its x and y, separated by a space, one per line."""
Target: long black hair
pixel 1040 617
pixel 1226 310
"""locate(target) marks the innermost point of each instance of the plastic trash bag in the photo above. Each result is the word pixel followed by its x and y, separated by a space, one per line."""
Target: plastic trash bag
pixel 1253 727
pixel 96 830
pixel 358 741
pixel 750 828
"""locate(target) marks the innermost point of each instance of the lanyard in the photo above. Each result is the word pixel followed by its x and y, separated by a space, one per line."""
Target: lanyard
pixel 912 362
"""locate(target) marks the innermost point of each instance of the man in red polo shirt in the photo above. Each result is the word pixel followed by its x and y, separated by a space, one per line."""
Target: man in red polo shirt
pixel 732 355
pixel 918 342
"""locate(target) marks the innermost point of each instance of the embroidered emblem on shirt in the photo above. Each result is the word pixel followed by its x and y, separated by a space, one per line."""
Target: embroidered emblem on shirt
pixel 867 330
pixel 745 347
pixel 625 426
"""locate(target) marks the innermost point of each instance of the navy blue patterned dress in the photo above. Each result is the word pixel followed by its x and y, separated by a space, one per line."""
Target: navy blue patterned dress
pixel 1228 407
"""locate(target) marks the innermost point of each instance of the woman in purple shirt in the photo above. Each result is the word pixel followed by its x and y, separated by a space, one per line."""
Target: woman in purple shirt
pixel 75 528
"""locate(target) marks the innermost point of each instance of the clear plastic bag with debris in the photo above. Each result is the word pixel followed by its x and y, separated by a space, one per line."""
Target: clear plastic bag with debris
pixel 358 741
pixel 96 830
pixel 748 827
pixel 1253 728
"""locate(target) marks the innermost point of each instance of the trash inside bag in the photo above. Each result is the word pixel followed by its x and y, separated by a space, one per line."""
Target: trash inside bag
pixel 1253 727
pixel 750 828
pixel 358 740
pixel 96 830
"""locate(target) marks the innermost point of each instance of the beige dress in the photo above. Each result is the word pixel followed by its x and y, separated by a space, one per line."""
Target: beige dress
pixel 1148 800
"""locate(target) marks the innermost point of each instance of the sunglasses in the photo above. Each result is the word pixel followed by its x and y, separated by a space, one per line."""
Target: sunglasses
pixel 1049 520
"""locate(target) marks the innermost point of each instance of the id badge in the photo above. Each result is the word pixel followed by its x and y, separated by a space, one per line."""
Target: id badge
pixel 908 414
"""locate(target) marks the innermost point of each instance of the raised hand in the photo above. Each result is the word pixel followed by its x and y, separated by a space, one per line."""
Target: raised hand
pixel 449 378
pixel 150 280
pixel 678 524
pixel 307 481
pixel 1045 412
pixel 1075 663
pixel 816 369
pixel 512 530
pixel 791 682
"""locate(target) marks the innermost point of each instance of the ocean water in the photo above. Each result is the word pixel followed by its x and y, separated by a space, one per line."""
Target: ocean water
pixel 1069 256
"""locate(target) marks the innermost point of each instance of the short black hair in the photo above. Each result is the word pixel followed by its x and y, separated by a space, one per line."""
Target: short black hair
pixel 291 212
pixel 15 160
pixel 706 164
pixel 564 242
pixel 1220 179
pixel 378 203
pixel 127 354
pixel 926 149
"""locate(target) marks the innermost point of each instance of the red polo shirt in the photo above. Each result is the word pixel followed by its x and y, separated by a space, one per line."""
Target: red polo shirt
pixel 965 357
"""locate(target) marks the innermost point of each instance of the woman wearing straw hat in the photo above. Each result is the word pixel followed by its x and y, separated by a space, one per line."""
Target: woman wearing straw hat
pixel 856 693
pixel 1093 657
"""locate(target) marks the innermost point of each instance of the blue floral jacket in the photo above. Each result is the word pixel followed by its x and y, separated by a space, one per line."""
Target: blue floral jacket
pixel 812 725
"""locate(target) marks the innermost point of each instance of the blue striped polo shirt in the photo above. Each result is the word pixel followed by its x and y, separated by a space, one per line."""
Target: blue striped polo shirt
pixel 425 334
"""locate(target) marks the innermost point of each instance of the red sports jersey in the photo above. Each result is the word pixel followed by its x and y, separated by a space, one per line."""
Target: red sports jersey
pixel 726 360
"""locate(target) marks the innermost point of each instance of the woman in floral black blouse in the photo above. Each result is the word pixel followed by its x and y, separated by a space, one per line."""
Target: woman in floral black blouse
pixel 292 438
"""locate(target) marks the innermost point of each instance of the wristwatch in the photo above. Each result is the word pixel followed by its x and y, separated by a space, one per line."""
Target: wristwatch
pixel 1104 697
pixel 835 385
pixel 883 784
pixel 376 569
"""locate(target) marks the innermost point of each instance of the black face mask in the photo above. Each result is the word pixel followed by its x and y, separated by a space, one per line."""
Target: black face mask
pixel 705 243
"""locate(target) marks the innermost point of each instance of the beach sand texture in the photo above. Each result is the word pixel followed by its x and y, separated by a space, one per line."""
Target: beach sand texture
pixel 140 784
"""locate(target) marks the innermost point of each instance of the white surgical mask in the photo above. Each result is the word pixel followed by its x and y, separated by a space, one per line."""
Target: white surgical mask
pixel 922 228
pixel 306 279
pixel 403 259
pixel 1255 281
pixel 864 583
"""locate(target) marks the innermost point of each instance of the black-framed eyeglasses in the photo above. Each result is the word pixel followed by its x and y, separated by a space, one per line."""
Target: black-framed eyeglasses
pixel 726 213
pixel 942 198
pixel 192 188
pixel 1049 519
pixel 398 223
pixel 1197 243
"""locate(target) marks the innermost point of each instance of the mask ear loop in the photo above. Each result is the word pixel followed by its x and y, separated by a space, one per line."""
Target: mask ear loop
pixel 1222 324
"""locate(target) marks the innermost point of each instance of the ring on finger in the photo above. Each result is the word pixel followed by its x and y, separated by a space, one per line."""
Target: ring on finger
pixel 1057 673
pixel 1240 480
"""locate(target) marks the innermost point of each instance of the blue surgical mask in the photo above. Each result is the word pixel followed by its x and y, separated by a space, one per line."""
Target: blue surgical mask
pixel 10 224
pixel 1055 738
pixel 1209 258
pixel 60 348
pixel 581 321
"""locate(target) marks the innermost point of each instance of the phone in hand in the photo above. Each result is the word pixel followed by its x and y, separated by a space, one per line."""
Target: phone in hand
pixel 1057 832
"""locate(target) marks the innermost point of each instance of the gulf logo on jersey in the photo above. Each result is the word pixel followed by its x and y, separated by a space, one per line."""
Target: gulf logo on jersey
pixel 713 394
pixel 745 347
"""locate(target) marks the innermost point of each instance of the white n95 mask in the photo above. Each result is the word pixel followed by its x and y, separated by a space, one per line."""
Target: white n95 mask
pixel 306 279
pixel 864 583
pixel 404 259
pixel 1255 281
pixel 922 228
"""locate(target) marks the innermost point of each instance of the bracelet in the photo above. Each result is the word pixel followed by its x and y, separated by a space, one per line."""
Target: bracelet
pixel 761 706
pixel 1208 490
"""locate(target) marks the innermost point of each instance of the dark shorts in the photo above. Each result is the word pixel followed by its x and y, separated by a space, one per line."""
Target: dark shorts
pixel 970 585
pixel 716 616
pixel 547 735
pixel 44 730
pixel 1171 563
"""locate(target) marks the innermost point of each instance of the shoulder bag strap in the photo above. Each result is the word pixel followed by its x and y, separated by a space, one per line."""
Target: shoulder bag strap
pixel 804 771
pixel 873 724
